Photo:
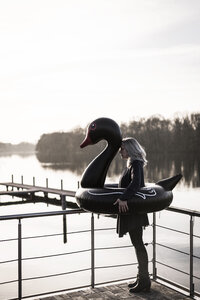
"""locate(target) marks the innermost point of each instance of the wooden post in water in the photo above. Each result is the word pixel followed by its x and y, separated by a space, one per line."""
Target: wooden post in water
pixel 12 179
pixel 22 182
pixel 61 184
pixel 46 194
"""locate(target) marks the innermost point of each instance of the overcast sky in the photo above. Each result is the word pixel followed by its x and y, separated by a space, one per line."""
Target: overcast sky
pixel 64 63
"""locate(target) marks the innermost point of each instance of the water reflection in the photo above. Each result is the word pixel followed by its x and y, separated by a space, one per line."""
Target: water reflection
pixel 21 154
pixel 158 167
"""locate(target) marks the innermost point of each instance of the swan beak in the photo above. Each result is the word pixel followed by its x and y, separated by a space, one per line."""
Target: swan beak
pixel 87 141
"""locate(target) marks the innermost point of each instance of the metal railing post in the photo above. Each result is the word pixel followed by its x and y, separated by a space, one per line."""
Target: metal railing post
pixel 64 206
pixel 92 252
pixel 19 260
pixel 191 256
pixel 154 247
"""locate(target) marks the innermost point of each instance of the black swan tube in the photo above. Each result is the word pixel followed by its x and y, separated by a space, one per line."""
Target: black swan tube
pixel 93 196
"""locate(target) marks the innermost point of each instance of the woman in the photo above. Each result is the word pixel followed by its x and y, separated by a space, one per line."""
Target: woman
pixel 132 180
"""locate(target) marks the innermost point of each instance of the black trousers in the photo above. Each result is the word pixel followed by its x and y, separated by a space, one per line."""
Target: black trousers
pixel 136 236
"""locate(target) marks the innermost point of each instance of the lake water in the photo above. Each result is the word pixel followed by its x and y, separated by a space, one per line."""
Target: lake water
pixel 28 166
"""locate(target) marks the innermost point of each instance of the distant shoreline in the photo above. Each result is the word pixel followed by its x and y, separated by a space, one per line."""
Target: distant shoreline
pixel 11 152
pixel 21 148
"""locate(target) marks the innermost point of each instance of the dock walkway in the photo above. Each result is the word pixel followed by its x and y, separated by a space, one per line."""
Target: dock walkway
pixel 120 291
pixel 26 188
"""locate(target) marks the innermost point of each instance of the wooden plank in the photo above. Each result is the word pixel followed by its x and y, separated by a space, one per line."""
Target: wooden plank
pixel 16 184
pixel 30 191
pixel 121 291
pixel 39 188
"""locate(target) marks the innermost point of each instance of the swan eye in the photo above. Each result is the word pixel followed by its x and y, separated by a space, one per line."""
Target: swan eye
pixel 93 126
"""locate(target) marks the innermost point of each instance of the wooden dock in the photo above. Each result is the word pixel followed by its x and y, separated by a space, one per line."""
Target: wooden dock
pixel 13 193
pixel 120 291
pixel 29 192
pixel 26 188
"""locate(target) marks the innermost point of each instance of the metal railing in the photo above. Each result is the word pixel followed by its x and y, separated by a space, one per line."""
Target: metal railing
pixel 155 243
pixel 20 278
pixel 191 214
pixel 19 239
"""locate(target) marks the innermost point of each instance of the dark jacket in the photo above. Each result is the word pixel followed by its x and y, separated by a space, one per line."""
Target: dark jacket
pixel 132 180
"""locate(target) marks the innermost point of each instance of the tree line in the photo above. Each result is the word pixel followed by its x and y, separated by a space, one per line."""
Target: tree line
pixel 16 148
pixel 159 136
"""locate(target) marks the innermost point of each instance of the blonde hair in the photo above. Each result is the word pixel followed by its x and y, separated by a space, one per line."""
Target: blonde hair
pixel 135 150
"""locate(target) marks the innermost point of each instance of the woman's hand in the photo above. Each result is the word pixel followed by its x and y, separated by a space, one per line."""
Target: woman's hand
pixel 123 206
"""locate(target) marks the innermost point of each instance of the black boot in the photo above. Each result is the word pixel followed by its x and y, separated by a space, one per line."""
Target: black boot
pixel 132 285
pixel 143 281
pixel 143 285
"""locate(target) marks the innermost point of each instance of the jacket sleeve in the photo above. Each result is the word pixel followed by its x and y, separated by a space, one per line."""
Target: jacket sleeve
pixel 135 184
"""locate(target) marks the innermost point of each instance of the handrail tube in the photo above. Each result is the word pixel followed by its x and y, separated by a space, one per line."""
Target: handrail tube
pixel 43 236
pixel 104 229
pixel 79 210
pixel 177 285
pixel 8 261
pixel 196 277
pixel 191 256
pixel 55 234
pixel 115 247
pixel 172 229
pixel 154 247
pixel 170 248
pixel 57 274
pixel 9 281
pixel 55 255
pixel 31 237
pixel 19 260
pixel 175 269
pixel 184 211
pixel 42 214
pixel 115 266
pixel 92 252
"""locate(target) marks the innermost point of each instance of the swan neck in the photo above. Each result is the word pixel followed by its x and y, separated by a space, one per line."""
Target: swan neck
pixel 95 174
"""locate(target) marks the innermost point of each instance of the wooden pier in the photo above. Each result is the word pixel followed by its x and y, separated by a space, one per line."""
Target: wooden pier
pixel 120 291
pixel 28 191
pixel 26 188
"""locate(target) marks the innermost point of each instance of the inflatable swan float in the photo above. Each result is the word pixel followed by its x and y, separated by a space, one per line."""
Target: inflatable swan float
pixel 96 197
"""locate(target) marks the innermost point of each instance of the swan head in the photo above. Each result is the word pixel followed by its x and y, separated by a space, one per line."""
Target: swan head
pixel 102 128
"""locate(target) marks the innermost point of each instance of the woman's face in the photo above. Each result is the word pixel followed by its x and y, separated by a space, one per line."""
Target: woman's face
pixel 123 152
